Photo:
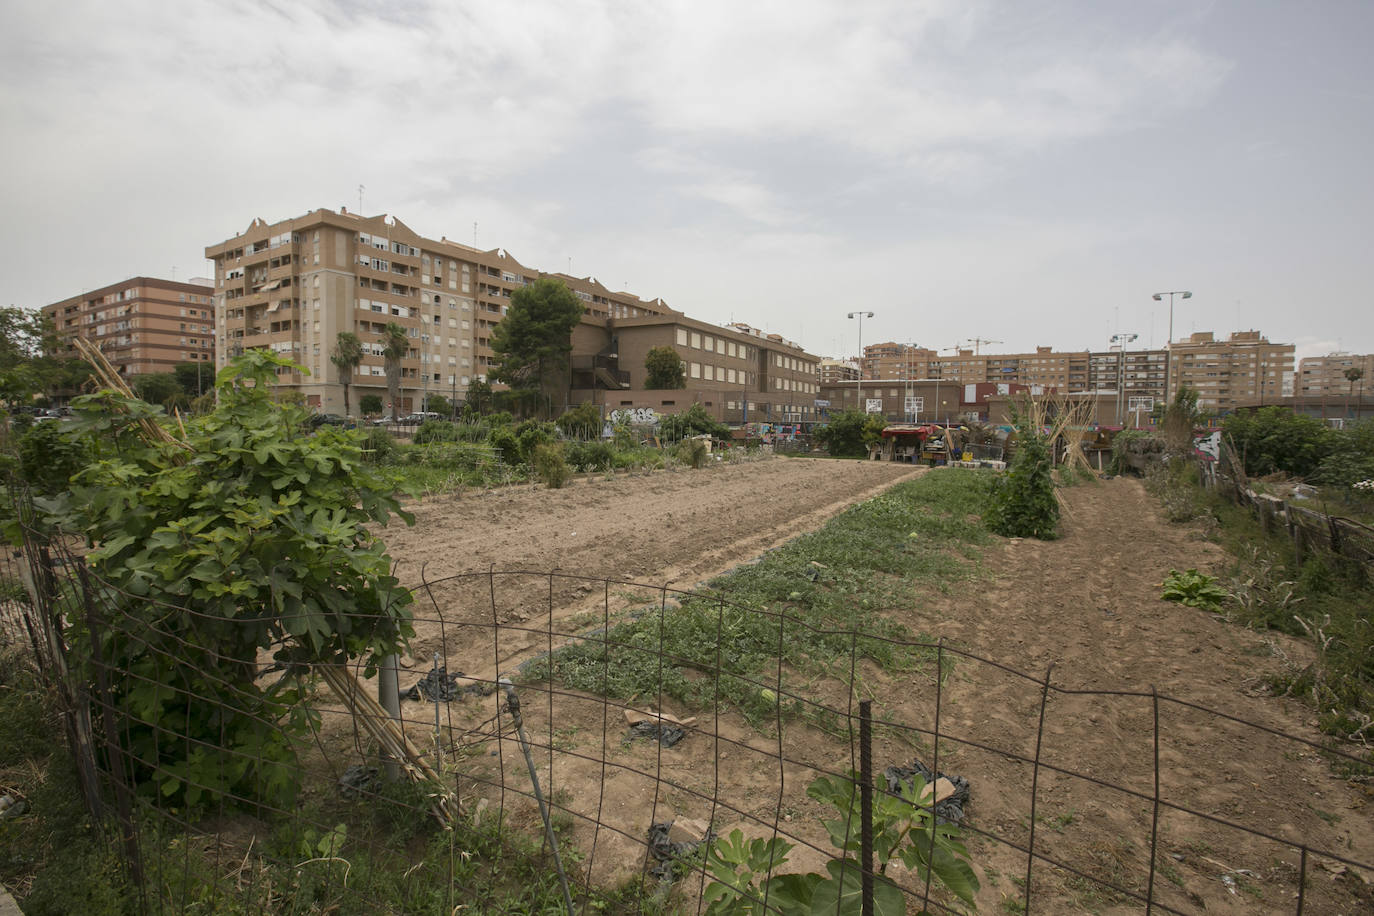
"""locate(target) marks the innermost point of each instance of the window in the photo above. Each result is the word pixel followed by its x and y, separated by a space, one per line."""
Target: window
pixel 696 341
pixel 696 370
pixel 682 337
pixel 709 343
pixel 710 375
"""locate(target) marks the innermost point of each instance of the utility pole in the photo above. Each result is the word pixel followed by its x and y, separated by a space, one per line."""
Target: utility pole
pixel 940 374
pixel 861 316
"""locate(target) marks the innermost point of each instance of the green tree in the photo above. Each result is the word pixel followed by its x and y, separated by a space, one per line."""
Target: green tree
pixel 1352 375
pixel 156 387
pixel 694 421
pixel 370 404
pixel 437 403
pixel 347 355
pixel 849 432
pixel 194 378
pixel 665 368
pixel 533 342
pixel 477 401
pixel 29 358
pixel 395 345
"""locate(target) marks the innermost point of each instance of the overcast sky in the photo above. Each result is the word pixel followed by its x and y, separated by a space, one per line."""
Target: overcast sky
pixel 1028 172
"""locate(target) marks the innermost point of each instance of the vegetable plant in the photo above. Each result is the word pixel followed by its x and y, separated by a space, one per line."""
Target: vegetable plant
pixel 743 877
pixel 1194 589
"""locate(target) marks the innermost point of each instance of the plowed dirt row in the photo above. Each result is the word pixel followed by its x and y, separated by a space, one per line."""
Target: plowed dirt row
pixel 1087 604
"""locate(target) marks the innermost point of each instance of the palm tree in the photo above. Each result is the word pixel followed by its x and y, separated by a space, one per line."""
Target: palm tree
pixel 1353 375
pixel 395 345
pixel 348 353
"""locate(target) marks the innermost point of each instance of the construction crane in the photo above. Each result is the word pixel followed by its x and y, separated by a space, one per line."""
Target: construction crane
pixel 979 341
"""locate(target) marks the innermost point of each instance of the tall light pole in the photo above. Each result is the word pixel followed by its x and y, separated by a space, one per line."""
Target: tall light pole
pixel 861 316
pixel 1169 345
pixel 1121 340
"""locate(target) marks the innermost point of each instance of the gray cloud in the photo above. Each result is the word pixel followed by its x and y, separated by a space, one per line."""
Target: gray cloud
pixel 1030 172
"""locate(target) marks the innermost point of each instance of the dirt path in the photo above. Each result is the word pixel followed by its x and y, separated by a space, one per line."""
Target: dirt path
pixel 1087 604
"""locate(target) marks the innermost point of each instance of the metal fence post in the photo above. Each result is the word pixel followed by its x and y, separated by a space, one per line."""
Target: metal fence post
pixel 389 696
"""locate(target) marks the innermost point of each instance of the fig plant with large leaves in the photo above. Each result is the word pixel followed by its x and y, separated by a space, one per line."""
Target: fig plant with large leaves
pixel 244 540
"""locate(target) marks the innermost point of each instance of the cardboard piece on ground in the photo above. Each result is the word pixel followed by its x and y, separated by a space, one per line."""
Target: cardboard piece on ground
pixel 635 716
pixel 686 830
pixel 943 789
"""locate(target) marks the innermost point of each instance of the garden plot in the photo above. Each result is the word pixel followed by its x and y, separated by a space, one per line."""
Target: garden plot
pixel 1088 604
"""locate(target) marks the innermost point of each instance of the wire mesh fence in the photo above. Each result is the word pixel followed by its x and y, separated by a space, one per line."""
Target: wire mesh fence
pixel 635 733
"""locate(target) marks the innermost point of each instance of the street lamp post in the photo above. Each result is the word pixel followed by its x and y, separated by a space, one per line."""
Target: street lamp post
pixel 861 316
pixel 1169 345
pixel 1121 340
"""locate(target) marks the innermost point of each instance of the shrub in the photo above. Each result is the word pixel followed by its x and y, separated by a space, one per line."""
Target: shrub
pixel 550 466
pixel 1023 502
pixel 435 431
pixel 252 540
pixel 591 456
pixel 692 452
pixel 1276 439
pixel 379 444
pixel 693 421
pixel 531 434
pixel 849 432
pixel 50 454
pixel 582 422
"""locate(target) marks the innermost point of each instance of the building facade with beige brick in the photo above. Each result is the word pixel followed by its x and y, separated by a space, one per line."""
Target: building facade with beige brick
pixel 143 324
pixel 1320 376
pixel 739 374
pixel 1242 368
pixel 294 285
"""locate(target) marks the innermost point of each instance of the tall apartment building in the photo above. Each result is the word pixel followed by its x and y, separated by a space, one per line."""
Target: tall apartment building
pixel 293 285
pixel 1245 367
pixel 838 370
pixel 896 360
pixel 142 324
pixel 1321 376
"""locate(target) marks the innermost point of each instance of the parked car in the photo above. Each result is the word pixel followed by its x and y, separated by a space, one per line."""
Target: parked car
pixel 331 419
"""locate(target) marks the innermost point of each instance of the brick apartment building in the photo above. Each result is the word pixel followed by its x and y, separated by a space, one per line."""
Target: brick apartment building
pixel 1225 373
pixel 142 324
pixel 294 285
pixel 897 361
pixel 1325 375
pixel 738 373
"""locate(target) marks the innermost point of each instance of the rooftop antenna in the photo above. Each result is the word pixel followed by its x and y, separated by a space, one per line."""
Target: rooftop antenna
pixel 174 273
pixel 361 189
pixel 474 233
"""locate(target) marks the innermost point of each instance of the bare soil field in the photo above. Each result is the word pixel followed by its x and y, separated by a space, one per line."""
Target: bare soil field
pixel 1083 610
